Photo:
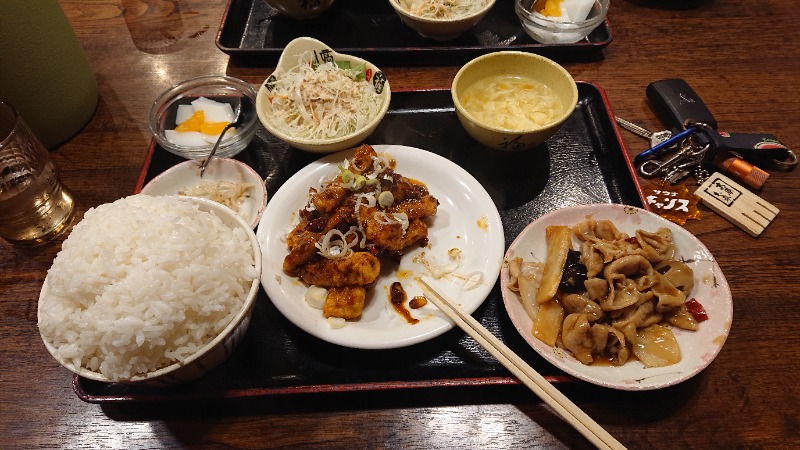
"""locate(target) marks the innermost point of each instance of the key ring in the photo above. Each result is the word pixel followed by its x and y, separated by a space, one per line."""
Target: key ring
pixel 688 155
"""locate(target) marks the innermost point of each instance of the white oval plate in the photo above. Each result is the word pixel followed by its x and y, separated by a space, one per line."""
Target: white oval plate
pixel 187 175
pixel 698 348
pixel 467 219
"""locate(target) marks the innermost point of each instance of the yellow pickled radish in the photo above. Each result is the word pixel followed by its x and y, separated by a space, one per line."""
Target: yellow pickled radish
pixel 197 122
pixel 193 123
pixel 212 127
pixel 549 8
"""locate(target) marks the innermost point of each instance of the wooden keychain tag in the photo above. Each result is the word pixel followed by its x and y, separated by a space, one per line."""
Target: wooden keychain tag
pixel 737 204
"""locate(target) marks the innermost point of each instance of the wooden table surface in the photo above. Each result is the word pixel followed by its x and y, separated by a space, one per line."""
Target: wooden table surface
pixel 742 57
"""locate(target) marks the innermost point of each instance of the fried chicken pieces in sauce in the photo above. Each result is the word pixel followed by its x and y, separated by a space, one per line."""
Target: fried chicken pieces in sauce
pixel 367 211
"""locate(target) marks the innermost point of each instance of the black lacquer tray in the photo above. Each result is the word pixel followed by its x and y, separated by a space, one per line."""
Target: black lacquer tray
pixel 255 33
pixel 585 162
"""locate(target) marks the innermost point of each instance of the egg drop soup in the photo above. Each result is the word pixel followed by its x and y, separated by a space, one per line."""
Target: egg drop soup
pixel 512 102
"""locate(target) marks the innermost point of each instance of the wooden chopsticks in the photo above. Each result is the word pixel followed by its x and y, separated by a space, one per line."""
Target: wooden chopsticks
pixel 524 372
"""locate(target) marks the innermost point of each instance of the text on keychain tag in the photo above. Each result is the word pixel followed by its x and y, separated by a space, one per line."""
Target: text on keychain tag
pixel 735 203
pixel 673 202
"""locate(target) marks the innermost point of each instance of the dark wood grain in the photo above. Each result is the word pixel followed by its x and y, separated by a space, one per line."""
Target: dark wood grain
pixel 742 58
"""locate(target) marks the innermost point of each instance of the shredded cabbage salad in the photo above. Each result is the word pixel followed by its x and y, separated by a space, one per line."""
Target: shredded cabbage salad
pixel 442 9
pixel 322 101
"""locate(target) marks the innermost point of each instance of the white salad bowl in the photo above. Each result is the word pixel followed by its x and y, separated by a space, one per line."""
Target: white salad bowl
pixel 319 52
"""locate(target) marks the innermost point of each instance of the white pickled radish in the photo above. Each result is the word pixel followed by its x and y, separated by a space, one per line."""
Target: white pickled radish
pixel 183 113
pixel 213 111
pixel 576 10
pixel 186 138
pixel 212 138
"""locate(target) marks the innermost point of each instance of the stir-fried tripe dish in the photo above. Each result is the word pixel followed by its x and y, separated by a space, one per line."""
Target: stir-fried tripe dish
pixel 613 300
pixel 366 212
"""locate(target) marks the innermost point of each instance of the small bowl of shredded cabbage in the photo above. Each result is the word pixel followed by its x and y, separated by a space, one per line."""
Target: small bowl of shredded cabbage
pixel 441 20
pixel 322 101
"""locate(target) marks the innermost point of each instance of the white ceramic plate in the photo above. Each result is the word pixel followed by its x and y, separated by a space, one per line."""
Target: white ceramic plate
pixel 467 219
pixel 187 175
pixel 698 348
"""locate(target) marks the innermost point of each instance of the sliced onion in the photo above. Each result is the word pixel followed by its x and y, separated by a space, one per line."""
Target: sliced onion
pixel 358 168
pixel 403 219
pixel 379 165
pixel 444 269
pixel 371 201
pixel 338 248
pixel 384 218
pixel 473 280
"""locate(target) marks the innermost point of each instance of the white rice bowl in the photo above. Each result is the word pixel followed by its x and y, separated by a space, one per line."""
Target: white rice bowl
pixel 147 285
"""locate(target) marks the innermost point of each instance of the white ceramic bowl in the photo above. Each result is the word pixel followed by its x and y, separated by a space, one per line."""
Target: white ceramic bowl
pixel 547 30
pixel 218 88
pixel 440 29
pixel 186 175
pixel 526 64
pixel 213 353
pixel 300 9
pixel 288 60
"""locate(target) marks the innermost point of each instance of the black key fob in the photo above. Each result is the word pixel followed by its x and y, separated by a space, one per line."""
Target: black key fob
pixel 757 148
pixel 677 104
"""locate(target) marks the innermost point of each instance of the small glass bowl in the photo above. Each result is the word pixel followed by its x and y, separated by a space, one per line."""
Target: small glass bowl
pixel 219 88
pixel 547 30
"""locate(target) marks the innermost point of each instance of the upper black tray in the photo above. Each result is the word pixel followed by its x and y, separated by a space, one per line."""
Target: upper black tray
pixel 585 162
pixel 255 32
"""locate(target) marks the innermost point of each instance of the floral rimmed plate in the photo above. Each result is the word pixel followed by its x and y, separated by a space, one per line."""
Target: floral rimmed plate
pixel 698 348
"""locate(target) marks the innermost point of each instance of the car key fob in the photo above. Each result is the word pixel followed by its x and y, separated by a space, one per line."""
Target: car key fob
pixel 678 105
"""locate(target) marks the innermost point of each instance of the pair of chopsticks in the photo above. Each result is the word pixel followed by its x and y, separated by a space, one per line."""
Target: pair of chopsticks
pixel 524 372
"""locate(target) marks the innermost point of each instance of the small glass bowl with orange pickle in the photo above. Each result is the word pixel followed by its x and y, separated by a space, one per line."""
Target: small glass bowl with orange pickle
pixel 560 21
pixel 187 118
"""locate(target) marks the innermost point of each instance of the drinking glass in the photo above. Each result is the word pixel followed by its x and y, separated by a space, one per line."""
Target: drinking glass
pixel 35 207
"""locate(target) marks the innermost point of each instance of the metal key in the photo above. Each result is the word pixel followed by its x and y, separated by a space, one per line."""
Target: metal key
pixel 655 138
pixel 678 165
pixel 655 151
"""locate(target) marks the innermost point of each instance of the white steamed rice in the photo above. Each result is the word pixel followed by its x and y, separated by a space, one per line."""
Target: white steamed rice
pixel 142 283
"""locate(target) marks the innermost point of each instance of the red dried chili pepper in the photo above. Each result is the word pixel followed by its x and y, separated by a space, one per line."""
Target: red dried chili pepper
pixel 696 310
